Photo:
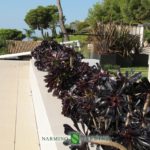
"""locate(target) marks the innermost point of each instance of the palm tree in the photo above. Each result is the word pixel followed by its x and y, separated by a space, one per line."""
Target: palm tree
pixel 61 21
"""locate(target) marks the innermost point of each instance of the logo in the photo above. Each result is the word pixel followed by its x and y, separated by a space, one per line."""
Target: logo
pixel 75 138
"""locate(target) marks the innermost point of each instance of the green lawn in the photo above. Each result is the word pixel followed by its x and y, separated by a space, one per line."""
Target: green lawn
pixel 81 38
pixel 143 70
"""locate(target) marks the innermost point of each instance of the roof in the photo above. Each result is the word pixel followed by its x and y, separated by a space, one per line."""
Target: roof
pixel 22 46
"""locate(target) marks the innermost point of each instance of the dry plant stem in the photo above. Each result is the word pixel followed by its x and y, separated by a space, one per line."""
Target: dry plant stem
pixel 71 62
pixel 108 36
pixel 128 118
pixel 94 121
pixel 130 146
pixel 109 143
pixel 147 103
pixel 129 113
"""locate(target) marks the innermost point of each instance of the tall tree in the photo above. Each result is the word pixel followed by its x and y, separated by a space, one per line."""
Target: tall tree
pixel 126 11
pixel 105 11
pixel 38 18
pixel 43 18
pixel 61 21
pixel 135 11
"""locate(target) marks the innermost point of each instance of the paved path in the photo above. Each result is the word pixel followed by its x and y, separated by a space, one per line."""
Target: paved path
pixel 18 130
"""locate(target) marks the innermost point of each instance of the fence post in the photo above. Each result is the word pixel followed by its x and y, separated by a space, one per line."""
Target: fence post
pixel 90 47
pixel 141 33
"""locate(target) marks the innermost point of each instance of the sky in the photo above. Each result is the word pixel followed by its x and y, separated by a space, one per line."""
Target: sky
pixel 12 12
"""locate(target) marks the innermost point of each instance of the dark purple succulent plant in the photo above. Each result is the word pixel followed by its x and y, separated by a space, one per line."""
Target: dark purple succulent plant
pixel 102 103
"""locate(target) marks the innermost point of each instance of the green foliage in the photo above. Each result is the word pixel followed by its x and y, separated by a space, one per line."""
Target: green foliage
pixel 2 43
pixel 144 70
pixel 82 26
pixel 35 38
pixel 96 14
pixel 106 11
pixel 73 25
pixel 110 67
pixel 3 47
pixel 79 26
pixel 3 51
pixel 29 33
pixel 81 38
pixel 11 34
pixel 136 11
pixel 112 10
pixel 43 18
pixel 38 18
pixel 126 11
pixel 147 35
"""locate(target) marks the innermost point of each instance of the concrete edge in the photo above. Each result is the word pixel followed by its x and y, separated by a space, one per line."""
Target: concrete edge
pixel 15 55
pixel 43 125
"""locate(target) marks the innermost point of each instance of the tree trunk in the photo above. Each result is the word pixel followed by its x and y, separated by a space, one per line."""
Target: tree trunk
pixel 61 21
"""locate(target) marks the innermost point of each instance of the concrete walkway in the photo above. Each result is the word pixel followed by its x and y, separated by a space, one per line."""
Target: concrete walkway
pixel 18 130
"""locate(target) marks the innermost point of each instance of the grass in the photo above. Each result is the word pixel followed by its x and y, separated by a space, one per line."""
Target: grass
pixel 143 70
pixel 147 35
pixel 81 38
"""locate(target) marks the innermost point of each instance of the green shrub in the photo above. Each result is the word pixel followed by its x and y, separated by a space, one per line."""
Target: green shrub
pixel 11 34
pixel 147 35
pixel 3 47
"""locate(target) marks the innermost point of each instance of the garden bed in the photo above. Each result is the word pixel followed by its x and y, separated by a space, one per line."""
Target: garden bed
pixel 98 102
pixel 48 112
